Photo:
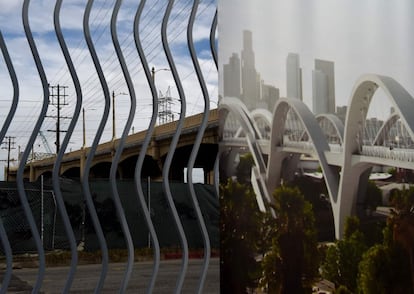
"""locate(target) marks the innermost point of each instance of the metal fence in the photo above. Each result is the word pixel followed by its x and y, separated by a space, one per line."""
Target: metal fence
pixel 28 218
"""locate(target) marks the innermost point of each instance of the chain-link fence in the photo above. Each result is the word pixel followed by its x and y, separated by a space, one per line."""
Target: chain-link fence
pixel 42 203
pixel 49 223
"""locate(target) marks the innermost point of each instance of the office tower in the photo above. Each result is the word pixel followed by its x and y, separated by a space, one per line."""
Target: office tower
pixel 341 112
pixel 270 95
pixel 293 77
pixel 324 67
pixel 319 92
pixel 250 78
pixel 231 77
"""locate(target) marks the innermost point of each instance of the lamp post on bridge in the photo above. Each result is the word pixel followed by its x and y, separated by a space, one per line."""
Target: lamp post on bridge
pixel 153 72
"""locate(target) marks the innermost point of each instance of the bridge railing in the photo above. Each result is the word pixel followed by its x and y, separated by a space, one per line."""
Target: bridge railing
pixel 396 154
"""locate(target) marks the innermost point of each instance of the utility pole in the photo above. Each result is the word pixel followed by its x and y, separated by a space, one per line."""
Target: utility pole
pixel 10 145
pixel 113 113
pixel 57 98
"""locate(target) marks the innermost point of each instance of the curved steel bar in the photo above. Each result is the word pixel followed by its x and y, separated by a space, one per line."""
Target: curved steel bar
pixel 20 171
pixel 196 147
pixel 213 46
pixel 12 111
pixel 144 148
pixel 58 162
pixel 9 259
pixel 214 53
pixel 89 158
pixel 119 149
pixel 173 146
pixel 216 173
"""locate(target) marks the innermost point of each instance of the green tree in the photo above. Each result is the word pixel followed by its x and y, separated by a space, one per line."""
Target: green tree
pixel 244 168
pixel 240 221
pixel 342 258
pixel 342 290
pixel 384 269
pixel 291 266
pixel 373 196
pixel 402 222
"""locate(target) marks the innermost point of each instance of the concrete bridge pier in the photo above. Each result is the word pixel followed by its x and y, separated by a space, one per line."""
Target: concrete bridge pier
pixel 352 186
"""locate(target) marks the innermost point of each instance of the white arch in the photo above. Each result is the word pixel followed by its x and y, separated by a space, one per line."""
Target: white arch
pixel 360 100
pixel 386 126
pixel 235 106
pixel 264 114
pixel 315 134
pixel 335 122
pixel 256 114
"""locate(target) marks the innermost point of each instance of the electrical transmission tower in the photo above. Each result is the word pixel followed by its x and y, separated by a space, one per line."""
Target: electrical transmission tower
pixel 57 97
pixel 165 114
pixel 45 143
pixel 9 146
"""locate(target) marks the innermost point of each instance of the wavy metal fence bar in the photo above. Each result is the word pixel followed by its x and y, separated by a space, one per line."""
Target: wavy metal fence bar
pixel 85 173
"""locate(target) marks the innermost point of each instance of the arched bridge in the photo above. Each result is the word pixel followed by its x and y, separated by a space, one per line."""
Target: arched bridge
pixel 73 162
pixel 344 152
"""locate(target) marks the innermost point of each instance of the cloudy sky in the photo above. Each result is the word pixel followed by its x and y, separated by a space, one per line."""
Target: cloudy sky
pixel 41 22
pixel 369 36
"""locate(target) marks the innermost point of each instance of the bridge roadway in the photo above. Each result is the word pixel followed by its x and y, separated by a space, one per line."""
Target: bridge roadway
pixel 73 162
pixel 376 155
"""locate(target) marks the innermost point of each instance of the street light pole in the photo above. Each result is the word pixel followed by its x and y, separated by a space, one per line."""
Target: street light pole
pixel 153 72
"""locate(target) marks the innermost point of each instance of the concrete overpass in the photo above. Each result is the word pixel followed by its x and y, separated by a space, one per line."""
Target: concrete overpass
pixel 73 162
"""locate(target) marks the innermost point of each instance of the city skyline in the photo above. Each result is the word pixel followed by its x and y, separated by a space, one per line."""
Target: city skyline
pixel 242 80
pixel 377 41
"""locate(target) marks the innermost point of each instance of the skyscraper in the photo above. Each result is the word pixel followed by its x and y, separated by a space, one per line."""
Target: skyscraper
pixel 293 77
pixel 270 95
pixel 231 77
pixel 250 78
pixel 326 68
pixel 319 92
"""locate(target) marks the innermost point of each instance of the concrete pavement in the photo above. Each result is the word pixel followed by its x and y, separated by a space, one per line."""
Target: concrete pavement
pixel 87 276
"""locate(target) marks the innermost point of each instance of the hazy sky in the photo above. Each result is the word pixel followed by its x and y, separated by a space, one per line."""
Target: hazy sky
pixel 360 36
pixel 41 22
